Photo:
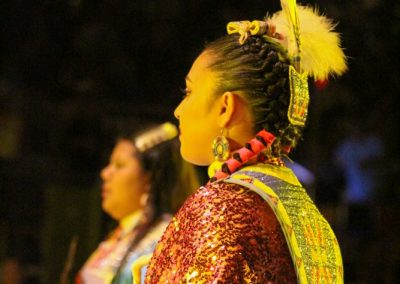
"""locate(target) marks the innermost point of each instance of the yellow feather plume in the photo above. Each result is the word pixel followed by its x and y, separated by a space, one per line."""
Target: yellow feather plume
pixel 289 9
pixel 321 52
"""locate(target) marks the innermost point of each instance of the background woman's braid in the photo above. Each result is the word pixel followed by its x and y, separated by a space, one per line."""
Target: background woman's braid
pixel 259 68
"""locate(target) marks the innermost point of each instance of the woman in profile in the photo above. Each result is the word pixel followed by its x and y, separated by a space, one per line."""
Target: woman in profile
pixel 245 107
pixel 144 183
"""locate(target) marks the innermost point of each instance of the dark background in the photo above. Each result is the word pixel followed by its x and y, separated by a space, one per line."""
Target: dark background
pixel 73 71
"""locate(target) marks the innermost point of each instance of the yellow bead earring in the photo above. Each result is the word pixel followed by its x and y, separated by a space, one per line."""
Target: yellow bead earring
pixel 221 152
pixel 220 147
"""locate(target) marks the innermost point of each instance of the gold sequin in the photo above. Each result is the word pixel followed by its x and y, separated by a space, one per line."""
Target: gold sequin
pixel 227 234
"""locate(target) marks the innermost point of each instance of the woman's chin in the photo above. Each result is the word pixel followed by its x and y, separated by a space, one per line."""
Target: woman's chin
pixel 198 160
pixel 105 207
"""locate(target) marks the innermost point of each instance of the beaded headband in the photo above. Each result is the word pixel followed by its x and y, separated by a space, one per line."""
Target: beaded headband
pixel 157 135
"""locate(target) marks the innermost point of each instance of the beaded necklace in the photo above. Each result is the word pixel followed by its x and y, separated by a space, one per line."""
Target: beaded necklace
pixel 254 150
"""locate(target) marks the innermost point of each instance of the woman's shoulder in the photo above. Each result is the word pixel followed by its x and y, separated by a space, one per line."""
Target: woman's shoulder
pixel 220 222
pixel 223 192
pixel 225 200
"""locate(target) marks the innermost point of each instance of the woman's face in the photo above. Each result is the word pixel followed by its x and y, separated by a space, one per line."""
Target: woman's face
pixel 197 115
pixel 124 181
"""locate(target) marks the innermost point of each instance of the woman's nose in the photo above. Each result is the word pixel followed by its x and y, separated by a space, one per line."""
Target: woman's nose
pixel 105 172
pixel 177 111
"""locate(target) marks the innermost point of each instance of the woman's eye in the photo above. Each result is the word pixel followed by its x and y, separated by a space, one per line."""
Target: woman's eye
pixel 185 92
pixel 119 165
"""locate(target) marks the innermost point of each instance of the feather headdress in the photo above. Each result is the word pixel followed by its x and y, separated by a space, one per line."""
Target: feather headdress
pixel 310 36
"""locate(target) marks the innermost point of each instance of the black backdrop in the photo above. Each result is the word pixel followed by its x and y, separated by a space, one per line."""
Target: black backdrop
pixel 73 71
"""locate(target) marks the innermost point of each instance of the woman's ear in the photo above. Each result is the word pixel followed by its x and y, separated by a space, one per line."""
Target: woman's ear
pixel 227 107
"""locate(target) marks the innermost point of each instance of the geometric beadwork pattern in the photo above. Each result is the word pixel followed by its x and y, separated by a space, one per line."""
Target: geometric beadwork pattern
pixel 299 97
pixel 312 243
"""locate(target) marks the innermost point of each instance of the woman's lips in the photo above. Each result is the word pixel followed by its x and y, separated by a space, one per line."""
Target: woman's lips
pixel 105 191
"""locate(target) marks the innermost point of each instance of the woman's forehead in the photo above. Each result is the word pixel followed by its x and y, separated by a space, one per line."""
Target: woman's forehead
pixel 124 146
pixel 200 66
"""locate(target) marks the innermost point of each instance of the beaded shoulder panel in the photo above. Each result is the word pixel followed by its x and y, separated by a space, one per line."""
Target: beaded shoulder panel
pixel 313 246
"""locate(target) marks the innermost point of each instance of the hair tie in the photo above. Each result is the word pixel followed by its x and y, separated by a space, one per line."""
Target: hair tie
pixel 256 27
pixel 242 28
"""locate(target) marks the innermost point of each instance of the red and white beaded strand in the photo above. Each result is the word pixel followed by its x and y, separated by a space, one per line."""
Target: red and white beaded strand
pixel 255 146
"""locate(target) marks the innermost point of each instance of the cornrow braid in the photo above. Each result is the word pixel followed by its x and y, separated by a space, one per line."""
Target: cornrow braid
pixel 259 69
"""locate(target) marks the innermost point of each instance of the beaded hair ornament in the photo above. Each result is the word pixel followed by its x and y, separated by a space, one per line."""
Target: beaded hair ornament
pixel 314 49
pixel 151 138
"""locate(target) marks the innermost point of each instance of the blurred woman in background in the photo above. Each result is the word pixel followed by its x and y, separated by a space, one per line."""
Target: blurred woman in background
pixel 144 183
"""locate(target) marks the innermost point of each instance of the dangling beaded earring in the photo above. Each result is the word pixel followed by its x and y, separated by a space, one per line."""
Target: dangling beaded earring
pixel 220 147
pixel 144 199
pixel 221 152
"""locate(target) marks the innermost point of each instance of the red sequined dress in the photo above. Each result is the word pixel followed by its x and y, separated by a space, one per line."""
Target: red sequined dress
pixel 224 233
pixel 229 232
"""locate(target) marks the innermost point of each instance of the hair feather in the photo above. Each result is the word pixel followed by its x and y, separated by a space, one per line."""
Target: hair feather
pixel 321 51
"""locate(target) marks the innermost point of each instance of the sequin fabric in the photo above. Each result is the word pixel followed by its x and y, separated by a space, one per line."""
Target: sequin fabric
pixel 224 233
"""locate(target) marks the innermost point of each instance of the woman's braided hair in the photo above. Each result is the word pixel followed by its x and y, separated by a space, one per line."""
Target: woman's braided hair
pixel 259 70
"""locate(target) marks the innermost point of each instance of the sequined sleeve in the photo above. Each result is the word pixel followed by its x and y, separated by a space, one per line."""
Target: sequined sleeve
pixel 223 234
